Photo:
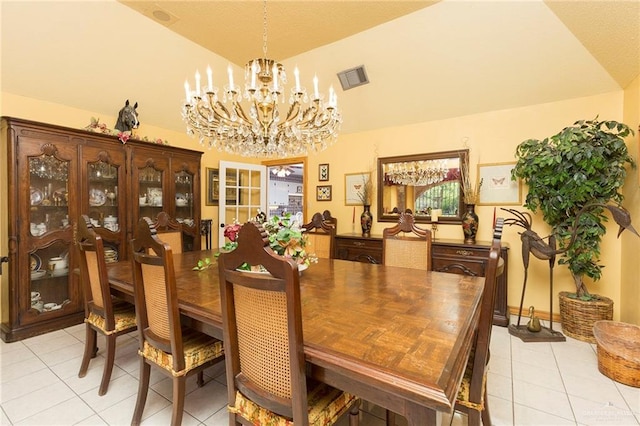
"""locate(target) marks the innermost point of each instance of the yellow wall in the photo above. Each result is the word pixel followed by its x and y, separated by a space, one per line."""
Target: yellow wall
pixel 491 137
pixel 630 270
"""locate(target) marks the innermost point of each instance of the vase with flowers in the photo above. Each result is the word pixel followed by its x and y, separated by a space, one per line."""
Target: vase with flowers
pixel 286 238
pixel 471 194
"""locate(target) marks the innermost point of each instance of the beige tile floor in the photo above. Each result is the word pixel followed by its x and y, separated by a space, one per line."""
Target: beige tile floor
pixel 529 384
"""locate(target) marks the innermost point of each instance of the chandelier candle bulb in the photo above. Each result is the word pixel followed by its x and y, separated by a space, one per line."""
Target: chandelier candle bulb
pixel 315 87
pixel 230 72
pixel 187 92
pixel 210 79
pixel 296 73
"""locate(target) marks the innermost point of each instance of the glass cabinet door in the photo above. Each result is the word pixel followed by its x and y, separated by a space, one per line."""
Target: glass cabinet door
pixel 105 208
pixel 183 182
pixel 49 232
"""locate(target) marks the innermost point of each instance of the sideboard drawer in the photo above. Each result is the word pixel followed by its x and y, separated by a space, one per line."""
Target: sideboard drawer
pixel 357 248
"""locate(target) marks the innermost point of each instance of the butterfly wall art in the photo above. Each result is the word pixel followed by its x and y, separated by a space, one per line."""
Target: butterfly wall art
pixel 355 185
pixel 498 189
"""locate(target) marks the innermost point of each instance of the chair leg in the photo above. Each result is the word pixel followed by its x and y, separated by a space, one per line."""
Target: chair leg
pixel 474 418
pixel 354 414
pixel 486 417
pixel 89 350
pixel 143 388
pixel 391 418
pixel 178 400
pixel 108 365
pixel 200 378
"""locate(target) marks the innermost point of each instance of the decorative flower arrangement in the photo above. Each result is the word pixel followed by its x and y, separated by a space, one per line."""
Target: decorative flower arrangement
pixel 285 238
pixel 470 191
pixel 97 127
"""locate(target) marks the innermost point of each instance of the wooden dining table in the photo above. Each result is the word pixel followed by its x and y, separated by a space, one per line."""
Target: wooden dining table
pixel 397 337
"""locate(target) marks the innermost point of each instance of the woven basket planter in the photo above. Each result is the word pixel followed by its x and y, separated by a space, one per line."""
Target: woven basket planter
pixel 578 316
pixel 618 351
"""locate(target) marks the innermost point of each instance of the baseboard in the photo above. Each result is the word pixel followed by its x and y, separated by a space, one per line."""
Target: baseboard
pixel 543 315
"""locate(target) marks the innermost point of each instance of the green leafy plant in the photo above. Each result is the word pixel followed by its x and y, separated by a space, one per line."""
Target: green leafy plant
pixel 285 238
pixel 583 164
pixel 203 264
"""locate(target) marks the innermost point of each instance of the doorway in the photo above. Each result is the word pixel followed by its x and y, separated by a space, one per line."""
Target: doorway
pixel 286 183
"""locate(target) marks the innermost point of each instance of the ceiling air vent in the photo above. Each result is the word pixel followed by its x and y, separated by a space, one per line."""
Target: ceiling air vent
pixel 352 78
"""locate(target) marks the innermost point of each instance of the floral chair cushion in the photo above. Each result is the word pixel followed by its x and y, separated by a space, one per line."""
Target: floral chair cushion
pixel 326 405
pixel 198 349
pixel 465 386
pixel 124 316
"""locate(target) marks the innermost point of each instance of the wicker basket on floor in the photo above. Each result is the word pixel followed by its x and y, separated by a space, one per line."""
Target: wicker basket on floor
pixel 578 316
pixel 618 351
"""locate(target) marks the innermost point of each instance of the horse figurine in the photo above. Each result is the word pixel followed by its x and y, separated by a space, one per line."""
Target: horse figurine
pixel 127 118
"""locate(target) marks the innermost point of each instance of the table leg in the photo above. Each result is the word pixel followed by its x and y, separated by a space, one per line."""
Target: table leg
pixel 418 415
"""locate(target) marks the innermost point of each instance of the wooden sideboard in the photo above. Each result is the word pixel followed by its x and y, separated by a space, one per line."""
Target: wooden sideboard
pixel 453 256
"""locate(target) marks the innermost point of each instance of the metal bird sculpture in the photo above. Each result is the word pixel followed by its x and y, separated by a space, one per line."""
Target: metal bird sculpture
pixel 532 243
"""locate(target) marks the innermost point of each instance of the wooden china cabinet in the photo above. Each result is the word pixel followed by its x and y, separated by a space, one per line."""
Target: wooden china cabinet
pixel 453 256
pixel 53 175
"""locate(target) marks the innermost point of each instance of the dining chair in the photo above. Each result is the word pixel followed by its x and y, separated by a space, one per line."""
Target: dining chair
pixel 472 395
pixel 407 251
pixel 262 329
pixel 320 234
pixel 170 231
pixel 178 351
pixel 104 314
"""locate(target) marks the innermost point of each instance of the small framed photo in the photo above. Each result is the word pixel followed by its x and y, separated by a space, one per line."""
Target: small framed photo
pixel 323 172
pixel 323 193
pixel 497 187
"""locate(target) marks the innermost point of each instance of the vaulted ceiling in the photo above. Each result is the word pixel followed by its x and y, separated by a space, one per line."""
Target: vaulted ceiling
pixel 426 60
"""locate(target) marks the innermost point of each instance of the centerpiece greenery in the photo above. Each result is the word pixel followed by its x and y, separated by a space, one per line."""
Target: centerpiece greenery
pixel 286 238
pixel 571 177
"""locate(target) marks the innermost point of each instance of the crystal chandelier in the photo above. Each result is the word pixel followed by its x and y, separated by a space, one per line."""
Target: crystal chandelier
pixel 310 124
pixel 281 171
pixel 417 173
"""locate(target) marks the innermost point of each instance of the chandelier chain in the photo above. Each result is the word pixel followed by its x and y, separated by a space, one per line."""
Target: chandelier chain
pixel 264 28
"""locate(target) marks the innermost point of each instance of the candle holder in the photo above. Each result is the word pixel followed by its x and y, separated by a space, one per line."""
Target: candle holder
pixel 434 228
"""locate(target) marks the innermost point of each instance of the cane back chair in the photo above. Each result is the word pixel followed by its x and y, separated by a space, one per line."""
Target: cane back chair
pixel 320 234
pixel 262 327
pixel 407 251
pixel 472 396
pixel 169 231
pixel 103 314
pixel 178 351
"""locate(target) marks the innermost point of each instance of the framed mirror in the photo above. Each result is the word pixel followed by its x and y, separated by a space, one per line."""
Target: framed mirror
pixel 424 184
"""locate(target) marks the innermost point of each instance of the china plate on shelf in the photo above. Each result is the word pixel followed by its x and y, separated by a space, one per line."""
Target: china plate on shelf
pixel 37 274
pixel 60 272
pixel 36 196
pixel 36 262
pixel 96 197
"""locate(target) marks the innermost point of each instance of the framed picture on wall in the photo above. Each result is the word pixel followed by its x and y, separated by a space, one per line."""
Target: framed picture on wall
pixel 497 187
pixel 212 187
pixel 354 186
pixel 323 172
pixel 323 193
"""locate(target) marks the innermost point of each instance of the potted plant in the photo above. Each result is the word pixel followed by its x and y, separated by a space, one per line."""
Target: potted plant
pixel 572 176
